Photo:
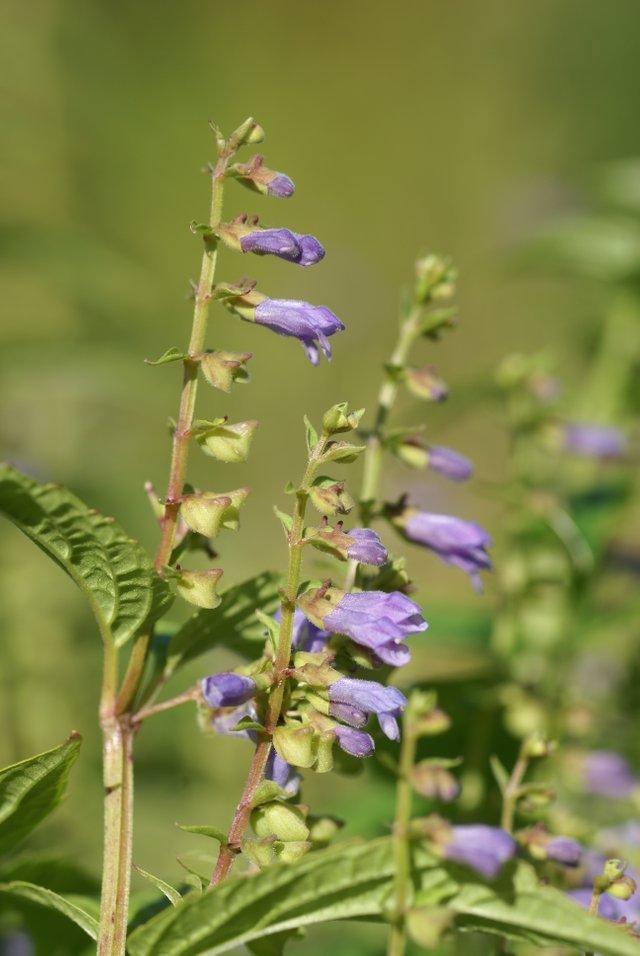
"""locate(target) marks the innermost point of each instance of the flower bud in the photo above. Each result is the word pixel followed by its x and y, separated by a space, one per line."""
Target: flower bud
pixel 228 443
pixel 434 782
pixel 338 419
pixel 247 133
pixel 535 746
pixel 435 279
pixel 261 852
pixel 281 819
pixel 329 497
pixel 426 925
pixel 292 851
pixel 623 888
pixel 258 177
pixel 411 451
pixel 323 829
pixel 432 724
pixel 199 587
pixel 221 369
pixel 296 745
pixel 423 383
pixel 204 512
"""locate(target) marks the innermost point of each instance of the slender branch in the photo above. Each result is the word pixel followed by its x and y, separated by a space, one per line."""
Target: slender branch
pixel 510 795
pixel 228 853
pixel 401 853
pixel 189 695
pixel 180 450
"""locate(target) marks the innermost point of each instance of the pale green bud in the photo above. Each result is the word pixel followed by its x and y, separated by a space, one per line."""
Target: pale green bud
pixel 228 443
pixel 282 819
pixel 222 369
pixel 200 587
pixel 296 745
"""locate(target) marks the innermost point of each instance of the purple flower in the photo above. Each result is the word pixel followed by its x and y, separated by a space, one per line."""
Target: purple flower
pixel 607 774
pixel 563 850
pixel 367 697
pixel 302 321
pixel 227 690
pixel 303 250
pixel 449 463
pixel 457 542
pixel 306 636
pixel 379 621
pixel 483 848
pixel 594 441
pixel 225 720
pixel 354 742
pixel 367 547
pixel 281 186
pixel 281 773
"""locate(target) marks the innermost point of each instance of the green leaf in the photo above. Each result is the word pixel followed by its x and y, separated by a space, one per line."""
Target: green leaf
pixel 30 790
pixel 233 624
pixel 311 435
pixel 75 908
pixel 354 881
pixel 112 570
pixel 341 451
pixel 171 355
pixel 499 772
pixel 347 881
pixel 537 914
pixel 212 832
pixel 285 520
pixel 165 888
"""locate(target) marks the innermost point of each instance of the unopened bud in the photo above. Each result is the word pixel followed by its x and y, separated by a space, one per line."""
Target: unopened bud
pixel 228 443
pixel 292 851
pixel 323 829
pixel 423 383
pixel 434 782
pixel 535 746
pixel 247 133
pixel 338 419
pixel 221 369
pixel 200 587
pixel 622 889
pixel 296 745
pixel 282 819
pixel 435 279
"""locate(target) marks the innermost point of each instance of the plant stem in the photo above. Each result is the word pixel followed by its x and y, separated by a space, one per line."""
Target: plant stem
pixel 228 853
pixel 180 450
pixel 510 795
pixel 401 855
pixel 118 832
pixel 188 695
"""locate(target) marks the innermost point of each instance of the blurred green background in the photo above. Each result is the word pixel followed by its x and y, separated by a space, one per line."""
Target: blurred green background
pixel 458 127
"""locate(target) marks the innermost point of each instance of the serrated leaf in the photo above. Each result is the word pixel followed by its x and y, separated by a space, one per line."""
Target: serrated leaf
pixel 165 888
pixel 354 881
pixel 537 914
pixel 204 830
pixel 311 435
pixel 233 624
pixel 346 881
pixel 74 908
pixel 113 571
pixel 30 790
pixel 171 355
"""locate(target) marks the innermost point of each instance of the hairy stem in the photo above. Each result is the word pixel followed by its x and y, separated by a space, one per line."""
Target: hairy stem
pixel 510 796
pixel 401 855
pixel 118 833
pixel 180 450
pixel 281 664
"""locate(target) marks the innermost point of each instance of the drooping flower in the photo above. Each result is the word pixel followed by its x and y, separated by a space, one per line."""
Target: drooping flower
pixel 607 774
pixel 310 324
pixel 457 542
pixel 354 742
pixel 367 547
pixel 449 463
pixel 367 697
pixel 594 441
pixel 485 849
pixel 304 250
pixel 227 689
pixel 378 621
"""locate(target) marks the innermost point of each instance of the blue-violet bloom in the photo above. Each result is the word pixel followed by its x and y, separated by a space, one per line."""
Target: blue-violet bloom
pixel 594 441
pixel 281 186
pixel 303 250
pixel 308 323
pixel 368 697
pixel 367 547
pixel 449 463
pixel 227 690
pixel 379 621
pixel 607 774
pixel 484 849
pixel 306 636
pixel 354 742
pixel 563 850
pixel 457 542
